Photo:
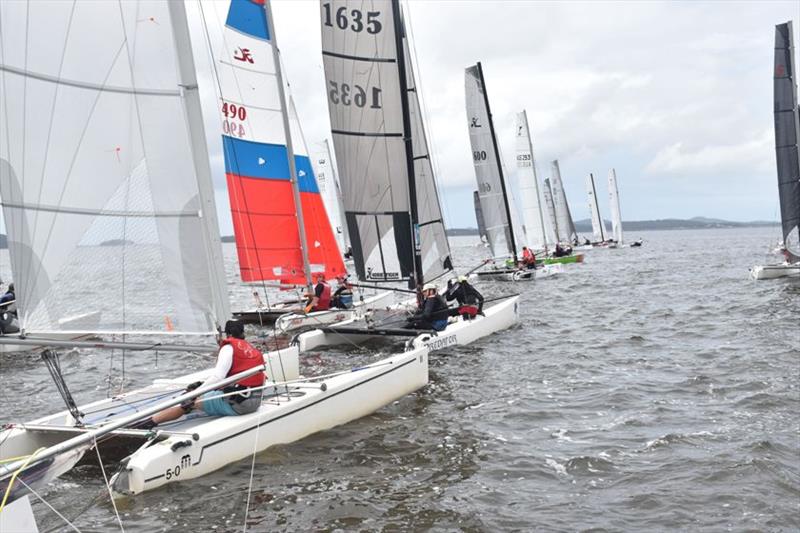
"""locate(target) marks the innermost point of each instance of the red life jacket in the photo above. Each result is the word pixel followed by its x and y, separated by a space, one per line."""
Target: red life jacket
pixel 245 357
pixel 527 256
pixel 324 299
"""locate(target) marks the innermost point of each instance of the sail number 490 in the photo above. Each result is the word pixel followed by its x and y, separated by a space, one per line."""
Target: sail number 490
pixel 355 19
pixel 342 93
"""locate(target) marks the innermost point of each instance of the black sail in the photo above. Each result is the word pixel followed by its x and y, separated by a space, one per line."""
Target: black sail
pixel 787 125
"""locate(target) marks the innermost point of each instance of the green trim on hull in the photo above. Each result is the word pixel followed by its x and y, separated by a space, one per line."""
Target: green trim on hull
pixel 574 258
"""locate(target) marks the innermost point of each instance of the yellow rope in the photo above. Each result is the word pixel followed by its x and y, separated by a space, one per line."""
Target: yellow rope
pixel 14 477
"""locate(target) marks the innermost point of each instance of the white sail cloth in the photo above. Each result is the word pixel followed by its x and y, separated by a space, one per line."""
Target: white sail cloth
pixel 104 184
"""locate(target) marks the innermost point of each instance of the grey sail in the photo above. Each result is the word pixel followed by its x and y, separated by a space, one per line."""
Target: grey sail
pixel 476 199
pixel 787 130
pixel 488 169
pixel 566 226
pixel 551 221
pixel 391 204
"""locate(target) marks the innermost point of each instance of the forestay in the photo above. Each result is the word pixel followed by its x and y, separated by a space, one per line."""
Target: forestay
pixel 566 226
pixel 329 189
pixel 532 213
pixel 488 169
pixel 265 215
pixel 613 200
pixel 391 202
pixel 104 170
pixel 787 135
pixel 597 222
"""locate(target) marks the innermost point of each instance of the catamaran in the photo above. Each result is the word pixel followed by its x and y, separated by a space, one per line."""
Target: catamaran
pixel 495 198
pixel 283 230
pixel 598 224
pixel 389 188
pixel 331 192
pixel 787 133
pixel 128 157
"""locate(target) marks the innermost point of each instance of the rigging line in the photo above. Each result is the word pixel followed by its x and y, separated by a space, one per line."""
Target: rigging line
pixel 427 131
pixel 240 188
pixel 105 478
pixel 252 471
pixel 58 514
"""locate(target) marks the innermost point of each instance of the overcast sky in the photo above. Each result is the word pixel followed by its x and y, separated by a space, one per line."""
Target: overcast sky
pixel 677 96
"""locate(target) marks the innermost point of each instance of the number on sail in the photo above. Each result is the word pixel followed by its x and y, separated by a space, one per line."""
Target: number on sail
pixel 356 20
pixel 343 93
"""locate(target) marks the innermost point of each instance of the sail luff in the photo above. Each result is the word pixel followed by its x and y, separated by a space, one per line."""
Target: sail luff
pixel 787 137
pixel 597 220
pixel 419 275
pixel 613 199
pixel 532 209
pixel 552 221
pixel 194 117
pixel 298 204
pixel 499 164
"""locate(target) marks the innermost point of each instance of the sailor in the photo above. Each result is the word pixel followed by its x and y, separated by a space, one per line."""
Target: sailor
pixel 343 297
pixel 528 258
pixel 434 312
pixel 7 301
pixel 470 301
pixel 320 300
pixel 235 355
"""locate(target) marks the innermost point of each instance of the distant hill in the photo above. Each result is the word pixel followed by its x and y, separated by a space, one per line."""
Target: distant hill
pixel 228 238
pixel 585 225
pixel 3 241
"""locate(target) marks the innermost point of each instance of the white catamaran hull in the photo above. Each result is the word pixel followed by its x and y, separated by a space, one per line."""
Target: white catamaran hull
pixel 311 407
pixel 294 321
pixel 541 272
pixel 459 333
pixel 784 270
pixel 25 439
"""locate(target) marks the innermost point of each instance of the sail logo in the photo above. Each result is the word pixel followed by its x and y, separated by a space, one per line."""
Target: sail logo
pixel 244 55
pixel 474 123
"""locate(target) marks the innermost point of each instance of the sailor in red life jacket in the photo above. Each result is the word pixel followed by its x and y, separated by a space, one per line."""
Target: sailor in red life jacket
pixel 528 258
pixel 321 299
pixel 235 355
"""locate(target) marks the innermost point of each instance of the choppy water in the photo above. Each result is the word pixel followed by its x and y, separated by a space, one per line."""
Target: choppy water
pixel 647 388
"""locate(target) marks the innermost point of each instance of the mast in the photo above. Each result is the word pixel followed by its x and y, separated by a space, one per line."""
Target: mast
pixel 194 119
pixel 289 148
pixel 499 165
pixel 399 33
pixel 597 208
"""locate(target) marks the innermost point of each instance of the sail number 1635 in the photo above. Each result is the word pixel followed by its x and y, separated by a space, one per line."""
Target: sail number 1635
pixel 355 19
pixel 343 93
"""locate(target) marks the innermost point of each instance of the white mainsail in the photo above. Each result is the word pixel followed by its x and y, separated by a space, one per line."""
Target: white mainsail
pixel 529 186
pixel 597 223
pixel 566 226
pixel 551 223
pixel 391 202
pixel 613 199
pixel 329 189
pixel 488 167
pixel 106 180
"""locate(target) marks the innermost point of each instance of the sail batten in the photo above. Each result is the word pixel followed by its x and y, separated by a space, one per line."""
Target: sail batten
pixel 391 204
pixel 787 137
